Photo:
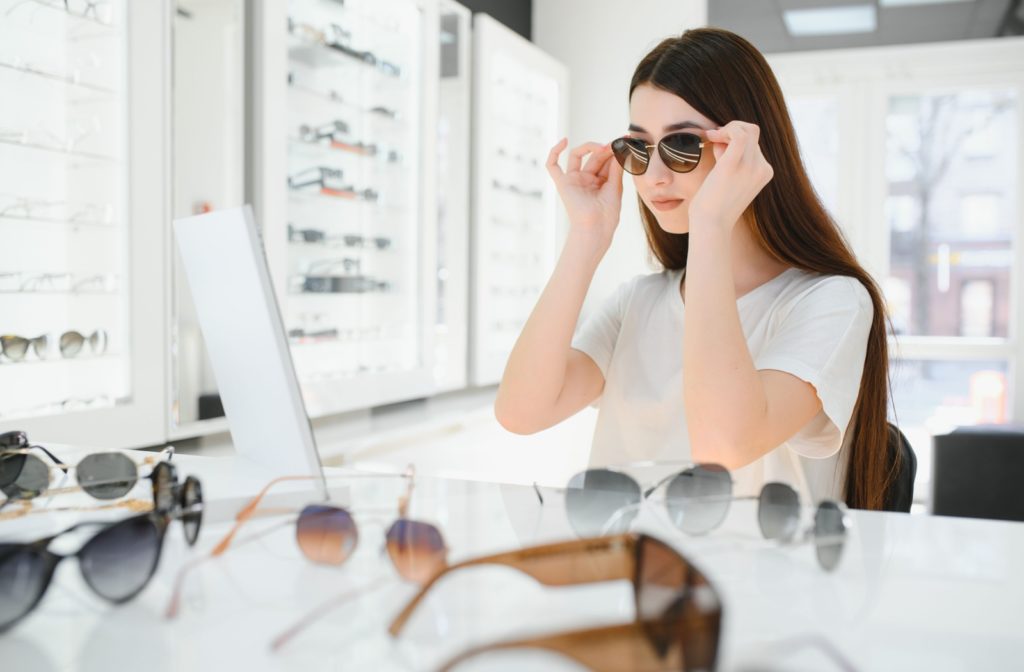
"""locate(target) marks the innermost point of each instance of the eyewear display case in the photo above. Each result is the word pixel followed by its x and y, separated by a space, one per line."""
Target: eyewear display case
pixel 344 194
pixel 82 168
pixel 520 111
pixel 405 212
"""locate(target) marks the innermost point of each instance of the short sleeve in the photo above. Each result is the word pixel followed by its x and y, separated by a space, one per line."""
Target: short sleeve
pixel 822 339
pixel 597 335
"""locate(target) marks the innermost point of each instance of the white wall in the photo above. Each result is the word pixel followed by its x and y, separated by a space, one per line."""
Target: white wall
pixel 601 42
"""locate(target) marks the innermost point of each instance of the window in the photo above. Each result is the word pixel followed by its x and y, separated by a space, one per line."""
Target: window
pixel 977 299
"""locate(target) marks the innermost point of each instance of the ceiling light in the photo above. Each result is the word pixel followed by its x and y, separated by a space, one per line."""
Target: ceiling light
pixel 844 20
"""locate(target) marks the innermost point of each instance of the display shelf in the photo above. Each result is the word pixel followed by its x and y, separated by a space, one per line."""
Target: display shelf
pixel 350 246
pixel 64 208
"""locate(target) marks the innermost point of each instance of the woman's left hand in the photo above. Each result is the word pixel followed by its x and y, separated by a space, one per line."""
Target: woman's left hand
pixel 739 174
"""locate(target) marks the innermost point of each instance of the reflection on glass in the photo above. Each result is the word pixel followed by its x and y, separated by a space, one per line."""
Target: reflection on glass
pixel 951 207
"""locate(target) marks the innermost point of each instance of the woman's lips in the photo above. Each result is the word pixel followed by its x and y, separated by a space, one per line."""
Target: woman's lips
pixel 666 204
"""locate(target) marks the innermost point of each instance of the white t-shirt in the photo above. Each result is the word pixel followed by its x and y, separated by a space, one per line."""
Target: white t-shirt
pixel 812 326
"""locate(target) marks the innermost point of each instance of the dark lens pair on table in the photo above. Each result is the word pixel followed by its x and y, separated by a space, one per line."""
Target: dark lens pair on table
pixel 698 499
pixel 679 151
pixel 678 611
pixel 24 475
pixel 117 562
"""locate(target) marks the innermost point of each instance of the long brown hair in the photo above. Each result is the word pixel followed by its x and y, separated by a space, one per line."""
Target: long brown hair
pixel 724 77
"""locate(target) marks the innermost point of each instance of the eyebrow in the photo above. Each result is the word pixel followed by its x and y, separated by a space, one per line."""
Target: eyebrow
pixel 672 127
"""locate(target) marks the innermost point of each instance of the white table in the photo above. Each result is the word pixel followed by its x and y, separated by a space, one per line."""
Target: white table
pixel 911 592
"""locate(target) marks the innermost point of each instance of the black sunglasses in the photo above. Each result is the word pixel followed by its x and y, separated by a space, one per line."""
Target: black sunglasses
pixel 679 151
pixel 116 563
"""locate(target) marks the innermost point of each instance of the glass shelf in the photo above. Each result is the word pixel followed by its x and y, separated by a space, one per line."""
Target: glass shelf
pixel 63 208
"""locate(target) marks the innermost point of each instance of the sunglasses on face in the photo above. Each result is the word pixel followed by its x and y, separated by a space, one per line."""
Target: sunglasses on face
pixel 328 535
pixel 678 612
pixel 679 151
pixel 697 500
pixel 116 563
pixel 103 476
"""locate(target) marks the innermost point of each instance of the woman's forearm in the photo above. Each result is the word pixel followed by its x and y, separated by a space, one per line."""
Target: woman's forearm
pixel 535 374
pixel 724 395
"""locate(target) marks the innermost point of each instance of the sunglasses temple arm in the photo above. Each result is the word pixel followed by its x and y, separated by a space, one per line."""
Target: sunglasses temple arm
pixel 249 509
pixel 174 605
pixel 56 460
pixel 576 645
pixel 400 620
pixel 549 565
pixel 322 610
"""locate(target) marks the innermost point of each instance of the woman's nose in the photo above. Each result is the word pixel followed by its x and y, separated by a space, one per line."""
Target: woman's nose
pixel 657 172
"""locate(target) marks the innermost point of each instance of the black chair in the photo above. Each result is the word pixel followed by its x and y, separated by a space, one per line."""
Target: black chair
pixel 978 472
pixel 901 492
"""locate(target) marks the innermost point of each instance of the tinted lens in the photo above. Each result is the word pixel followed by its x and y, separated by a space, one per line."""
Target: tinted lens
pixel 14 347
pixel 98 341
pixel 23 476
pixel 681 611
pixel 680 151
pixel 326 534
pixel 661 576
pixel 595 496
pixel 118 562
pixel 698 498
pixel 417 549
pixel 71 343
pixel 192 502
pixel 24 575
pixel 107 475
pixel 39 344
pixel 829 534
pixel 164 478
pixel 631 153
pixel 778 511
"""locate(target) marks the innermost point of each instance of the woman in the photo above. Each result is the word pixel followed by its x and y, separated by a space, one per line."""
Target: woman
pixel 762 345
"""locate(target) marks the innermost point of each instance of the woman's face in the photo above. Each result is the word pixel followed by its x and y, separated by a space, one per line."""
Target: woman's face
pixel 653 114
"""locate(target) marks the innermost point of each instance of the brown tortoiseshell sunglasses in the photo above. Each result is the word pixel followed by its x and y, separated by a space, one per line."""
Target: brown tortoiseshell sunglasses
pixel 678 612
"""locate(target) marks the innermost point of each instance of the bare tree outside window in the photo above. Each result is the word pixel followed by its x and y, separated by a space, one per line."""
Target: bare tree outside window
pixel 938 157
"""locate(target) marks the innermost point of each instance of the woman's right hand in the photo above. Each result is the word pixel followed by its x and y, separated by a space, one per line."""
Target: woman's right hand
pixel 592 193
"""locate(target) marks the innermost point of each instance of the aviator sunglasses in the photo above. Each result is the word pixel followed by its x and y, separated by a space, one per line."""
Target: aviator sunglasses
pixel 679 151
pixel 697 499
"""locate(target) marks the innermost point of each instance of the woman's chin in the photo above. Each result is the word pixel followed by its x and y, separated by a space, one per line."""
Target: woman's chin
pixel 675 225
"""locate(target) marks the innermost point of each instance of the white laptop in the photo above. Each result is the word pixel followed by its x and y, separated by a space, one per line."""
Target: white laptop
pixel 223 256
